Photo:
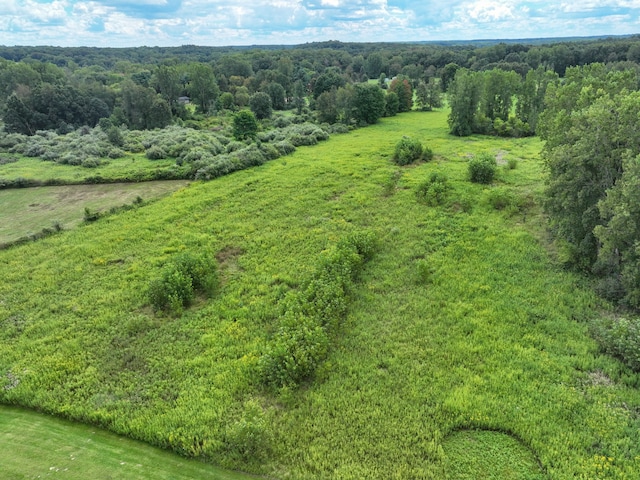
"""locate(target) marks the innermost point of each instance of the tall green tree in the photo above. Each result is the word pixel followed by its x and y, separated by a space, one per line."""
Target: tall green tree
pixel 584 166
pixel 392 104
pixel 497 94
pixel 203 87
pixel 19 115
pixel 245 125
pixel 344 103
pixel 530 101
pixel 166 80
pixel 374 65
pixel 619 235
pixel 299 96
pixel 464 98
pixel 368 103
pixel 328 80
pixel 326 107
pixel 429 94
pixel 278 94
pixel 260 104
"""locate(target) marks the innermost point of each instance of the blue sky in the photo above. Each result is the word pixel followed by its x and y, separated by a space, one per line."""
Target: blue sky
pixel 120 23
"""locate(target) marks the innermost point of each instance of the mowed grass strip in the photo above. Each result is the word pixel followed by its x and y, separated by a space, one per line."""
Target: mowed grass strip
pixel 24 211
pixel 38 446
pixel 461 320
pixel 134 167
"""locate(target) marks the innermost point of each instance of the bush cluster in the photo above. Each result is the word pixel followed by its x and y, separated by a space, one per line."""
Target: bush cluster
pixel 314 313
pixel 482 168
pixel 433 191
pixel 199 154
pixel 181 279
pixel 620 338
pixel 409 151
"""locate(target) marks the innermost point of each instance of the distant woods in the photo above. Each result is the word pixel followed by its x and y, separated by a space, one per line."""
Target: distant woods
pixel 493 88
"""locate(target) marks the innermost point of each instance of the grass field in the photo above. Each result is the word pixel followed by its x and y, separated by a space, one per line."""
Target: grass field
pixel 132 167
pixel 461 322
pixel 39 446
pixel 28 210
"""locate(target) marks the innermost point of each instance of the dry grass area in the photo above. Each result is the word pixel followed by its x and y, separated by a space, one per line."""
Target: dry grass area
pixel 26 211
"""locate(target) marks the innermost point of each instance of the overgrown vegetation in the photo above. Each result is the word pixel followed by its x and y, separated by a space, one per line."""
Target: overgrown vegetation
pixel 409 150
pixel 456 303
pixel 313 315
pixel 460 321
pixel 482 168
pixel 180 280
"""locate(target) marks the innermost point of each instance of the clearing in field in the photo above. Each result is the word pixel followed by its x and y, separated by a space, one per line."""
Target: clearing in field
pixel 29 210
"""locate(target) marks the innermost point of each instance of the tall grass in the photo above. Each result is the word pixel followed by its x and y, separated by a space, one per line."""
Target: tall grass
pixel 460 321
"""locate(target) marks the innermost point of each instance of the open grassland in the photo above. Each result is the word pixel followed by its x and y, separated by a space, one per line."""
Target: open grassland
pixel 28 210
pixel 460 322
pixel 132 167
pixel 39 446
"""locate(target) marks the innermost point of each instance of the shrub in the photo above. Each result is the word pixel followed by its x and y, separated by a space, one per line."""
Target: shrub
pixel 180 280
pixel 482 168
pixel 115 136
pixel 133 146
pixel 269 151
pixel 501 198
pixel 5 160
pixel 245 125
pixel 338 128
pixel 172 291
pixel 50 155
pixel 235 146
pixel 248 437
pixel 71 159
pixel 313 313
pixel 433 191
pixel 620 338
pixel 281 121
pixel 202 270
pixel 407 151
pixel 285 147
pixel 155 153
pixel 300 140
pixel 116 152
pixel 34 149
pixel 91 162
pixel 424 271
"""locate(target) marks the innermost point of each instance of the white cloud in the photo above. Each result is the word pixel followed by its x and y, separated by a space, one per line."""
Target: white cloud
pixel 489 11
pixel 222 22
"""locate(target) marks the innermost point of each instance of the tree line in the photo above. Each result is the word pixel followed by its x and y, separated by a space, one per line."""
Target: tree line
pixel 52 88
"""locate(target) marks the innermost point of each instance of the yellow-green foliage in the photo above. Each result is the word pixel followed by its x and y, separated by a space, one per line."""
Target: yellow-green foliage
pixel 461 320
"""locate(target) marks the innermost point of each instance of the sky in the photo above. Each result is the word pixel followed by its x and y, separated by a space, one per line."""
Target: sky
pixel 124 23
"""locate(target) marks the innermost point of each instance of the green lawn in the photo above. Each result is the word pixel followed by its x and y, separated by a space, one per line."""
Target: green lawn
pixel 39 446
pixel 28 210
pixel 131 167
pixel 461 321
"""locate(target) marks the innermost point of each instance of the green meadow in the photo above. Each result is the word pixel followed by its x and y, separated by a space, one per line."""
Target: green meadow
pixel 132 167
pixel 40 446
pixel 465 351
pixel 29 210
